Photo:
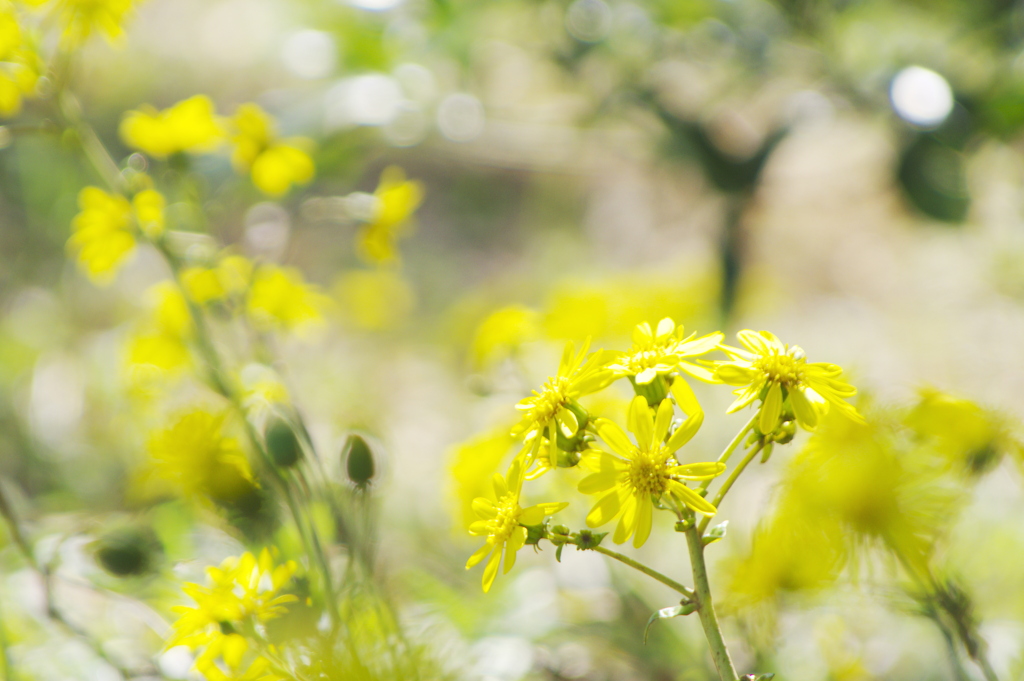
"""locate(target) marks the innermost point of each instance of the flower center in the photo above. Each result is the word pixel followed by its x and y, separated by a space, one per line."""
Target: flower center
pixel 507 519
pixel 648 475
pixel 644 359
pixel 553 396
pixel 787 369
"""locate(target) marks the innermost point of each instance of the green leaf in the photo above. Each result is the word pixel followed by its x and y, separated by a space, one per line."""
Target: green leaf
pixel 680 610
pixel 716 533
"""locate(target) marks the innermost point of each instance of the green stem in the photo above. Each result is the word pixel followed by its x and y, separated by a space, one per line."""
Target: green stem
pixel 731 447
pixel 727 485
pixel 706 608
pixel 650 572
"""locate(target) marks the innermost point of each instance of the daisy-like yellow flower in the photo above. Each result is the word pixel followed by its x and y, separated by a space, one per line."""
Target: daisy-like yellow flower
pixel 638 475
pixel 275 165
pixel 103 232
pixel 775 373
pixel 663 350
pixel 243 591
pixel 396 199
pixel 82 18
pixel 191 126
pixel 502 522
pixel 554 405
pixel 195 456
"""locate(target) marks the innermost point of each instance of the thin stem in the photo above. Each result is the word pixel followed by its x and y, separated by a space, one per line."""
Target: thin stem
pixel 727 485
pixel 650 572
pixel 731 447
pixel 706 608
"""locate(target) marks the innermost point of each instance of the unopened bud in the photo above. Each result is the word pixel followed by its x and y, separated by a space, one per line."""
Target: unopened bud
pixel 358 460
pixel 282 445
pixel 128 551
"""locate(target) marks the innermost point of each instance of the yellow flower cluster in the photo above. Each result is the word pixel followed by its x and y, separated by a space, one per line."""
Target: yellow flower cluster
pixel 103 232
pixel 633 477
pixel 243 592
pixel 192 126
pixel 279 298
pixel 159 347
pixel 20 64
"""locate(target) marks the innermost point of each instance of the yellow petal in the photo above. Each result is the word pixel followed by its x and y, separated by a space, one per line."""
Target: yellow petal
pixel 771 409
pixel 685 432
pixel 479 555
pixel 698 471
pixel 806 414
pixel 616 438
pixel 598 482
pixel 683 394
pixel 627 522
pixel 640 420
pixel 693 500
pixel 662 421
pixel 606 508
pixel 643 523
pixel 491 569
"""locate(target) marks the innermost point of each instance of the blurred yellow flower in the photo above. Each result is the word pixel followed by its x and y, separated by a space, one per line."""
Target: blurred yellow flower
pixel 275 165
pixel 229 277
pixel 502 520
pixel 82 18
pixel 396 200
pixel 473 465
pixel 197 459
pixel 190 126
pixel 279 298
pixel 244 592
pixel 662 351
pixel 774 373
pixel 644 473
pixel 502 333
pixel 102 231
pixel 20 65
pixel 374 300
pixel 159 348
pixel 554 405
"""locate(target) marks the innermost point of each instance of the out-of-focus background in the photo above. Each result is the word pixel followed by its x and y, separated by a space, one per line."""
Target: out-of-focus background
pixel 847 174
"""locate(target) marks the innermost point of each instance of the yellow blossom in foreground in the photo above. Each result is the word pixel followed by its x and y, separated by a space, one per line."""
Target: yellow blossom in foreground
pixel 396 201
pixel 275 165
pixel 244 591
pixel 643 473
pixel 195 456
pixel 190 126
pixel 502 520
pixel 772 372
pixel 664 350
pixel 279 298
pixel 82 18
pixel 553 405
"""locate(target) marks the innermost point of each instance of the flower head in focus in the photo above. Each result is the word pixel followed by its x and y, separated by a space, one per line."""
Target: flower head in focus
pixel 502 520
pixel 665 349
pixel 396 201
pixel 243 591
pixel 274 165
pixel 638 475
pixel 189 126
pixel 767 370
pixel 553 409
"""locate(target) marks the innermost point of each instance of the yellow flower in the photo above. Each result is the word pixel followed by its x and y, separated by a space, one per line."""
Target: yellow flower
pixel 554 405
pixel 20 65
pixel 502 520
pixel 160 347
pixel 243 592
pixel 502 333
pixel 195 457
pixel 190 126
pixel 229 277
pixel 82 18
pixel 644 473
pixel 102 232
pixel 662 351
pixel 396 200
pixel 374 300
pixel 279 298
pixel 772 372
pixel 275 165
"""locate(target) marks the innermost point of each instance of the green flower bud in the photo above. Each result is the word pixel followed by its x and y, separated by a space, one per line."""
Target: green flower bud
pixel 358 460
pixel 282 445
pixel 128 551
